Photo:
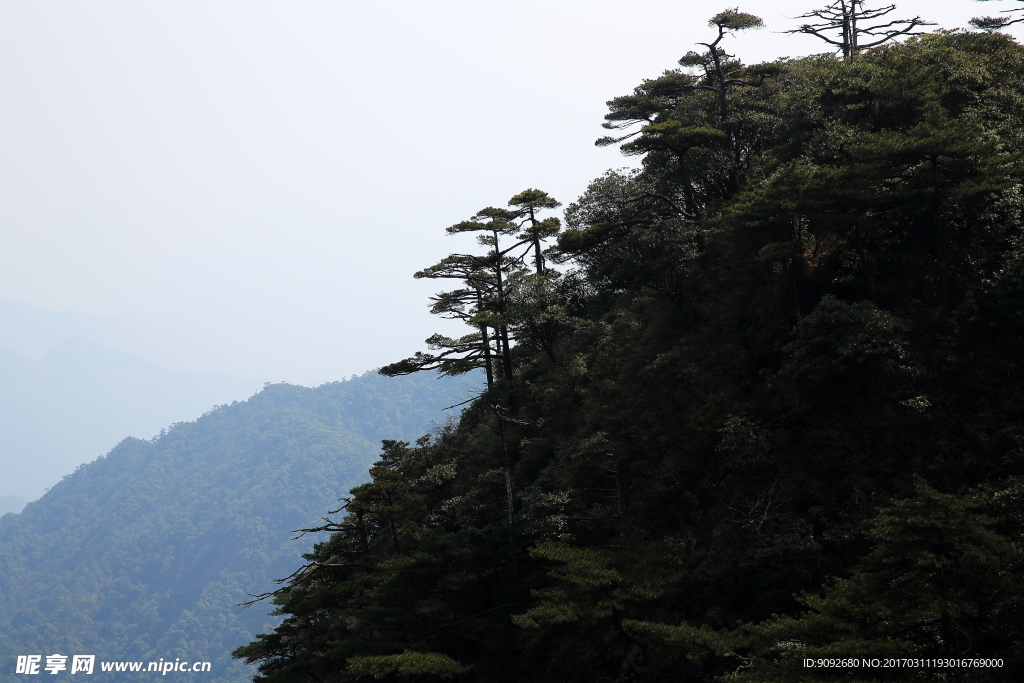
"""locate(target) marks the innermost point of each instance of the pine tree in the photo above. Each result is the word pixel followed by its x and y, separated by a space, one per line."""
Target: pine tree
pixel 484 301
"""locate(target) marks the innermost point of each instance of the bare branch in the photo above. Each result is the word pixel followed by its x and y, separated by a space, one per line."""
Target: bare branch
pixel 845 16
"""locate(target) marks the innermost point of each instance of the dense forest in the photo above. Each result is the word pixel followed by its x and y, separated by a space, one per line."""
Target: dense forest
pixel 755 402
pixel 146 552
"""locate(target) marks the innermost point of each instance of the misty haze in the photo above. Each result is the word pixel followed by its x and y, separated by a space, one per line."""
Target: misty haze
pixel 333 348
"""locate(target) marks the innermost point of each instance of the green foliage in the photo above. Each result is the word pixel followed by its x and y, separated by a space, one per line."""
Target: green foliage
pixel 495 286
pixel 996 23
pixel 1006 288
pixel 407 664
pixel 148 551
pixel 771 411
pixel 837 340
pixel 933 585
pixel 734 20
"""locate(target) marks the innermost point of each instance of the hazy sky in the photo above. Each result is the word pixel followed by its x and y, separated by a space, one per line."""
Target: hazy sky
pixel 263 178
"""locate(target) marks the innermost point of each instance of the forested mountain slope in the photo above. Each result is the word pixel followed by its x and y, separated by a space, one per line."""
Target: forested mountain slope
pixel 770 410
pixel 146 552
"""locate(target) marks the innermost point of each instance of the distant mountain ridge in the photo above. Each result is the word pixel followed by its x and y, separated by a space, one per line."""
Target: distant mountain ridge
pixel 31 331
pixel 80 398
pixel 144 553
pixel 11 504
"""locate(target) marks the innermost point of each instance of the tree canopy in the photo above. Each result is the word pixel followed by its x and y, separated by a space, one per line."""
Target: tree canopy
pixel 778 415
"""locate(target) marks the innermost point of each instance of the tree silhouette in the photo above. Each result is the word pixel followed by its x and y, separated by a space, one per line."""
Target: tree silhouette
pixel 991 24
pixel 848 18
pixel 483 300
